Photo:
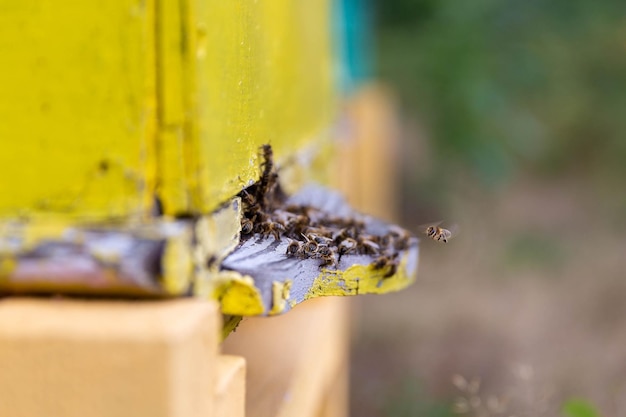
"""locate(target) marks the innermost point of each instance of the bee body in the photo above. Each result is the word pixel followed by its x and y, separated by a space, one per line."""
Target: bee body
pixel 438 233
pixel 310 248
pixel 388 262
pixel 294 249
pixel 270 229
pixel 327 255
pixel 247 226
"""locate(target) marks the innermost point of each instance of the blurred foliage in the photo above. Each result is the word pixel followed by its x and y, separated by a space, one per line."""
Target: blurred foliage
pixel 504 85
pixel 579 408
pixel 408 399
pixel 533 250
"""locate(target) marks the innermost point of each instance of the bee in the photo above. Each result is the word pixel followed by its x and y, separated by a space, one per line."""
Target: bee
pixel 249 200
pixel 319 238
pixel 297 225
pixel 368 246
pixel 268 163
pixel 251 204
pixel 268 175
pixel 283 217
pixel 346 246
pixel 294 248
pixel 438 233
pixel 270 228
pixel 310 247
pixel 389 262
pixel 398 238
pixel 326 254
pixel 247 226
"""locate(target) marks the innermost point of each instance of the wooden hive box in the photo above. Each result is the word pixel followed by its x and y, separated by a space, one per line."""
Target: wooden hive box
pixel 132 116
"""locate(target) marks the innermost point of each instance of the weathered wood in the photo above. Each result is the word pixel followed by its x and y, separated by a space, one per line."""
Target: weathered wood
pixel 160 258
pixel 284 281
pixel 105 108
pixel 149 260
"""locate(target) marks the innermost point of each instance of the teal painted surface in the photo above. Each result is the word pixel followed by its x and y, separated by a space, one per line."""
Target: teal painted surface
pixel 354 42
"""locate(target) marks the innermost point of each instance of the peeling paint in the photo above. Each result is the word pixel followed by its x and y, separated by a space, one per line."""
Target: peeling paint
pixel 237 294
pixel 283 281
pixel 280 296
pixel 363 279
pixel 177 264
pixel 111 259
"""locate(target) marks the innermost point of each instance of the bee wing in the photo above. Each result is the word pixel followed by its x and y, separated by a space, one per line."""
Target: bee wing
pixel 425 226
pixel 452 231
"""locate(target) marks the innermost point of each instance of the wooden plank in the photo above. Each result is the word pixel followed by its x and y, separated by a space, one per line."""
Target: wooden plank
pixel 292 359
pixel 149 259
pixel 262 74
pixel 83 89
pixel 337 398
pixel 175 110
pixel 229 399
pixel 103 358
pixel 366 161
pixel 78 108
pixel 284 281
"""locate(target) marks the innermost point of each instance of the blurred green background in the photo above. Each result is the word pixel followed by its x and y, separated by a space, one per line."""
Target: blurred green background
pixel 513 121
pixel 503 86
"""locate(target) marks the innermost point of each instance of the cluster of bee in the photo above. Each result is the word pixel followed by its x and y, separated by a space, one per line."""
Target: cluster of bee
pixel 313 233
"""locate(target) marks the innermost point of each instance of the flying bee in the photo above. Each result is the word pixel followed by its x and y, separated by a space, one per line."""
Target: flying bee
pixel 437 233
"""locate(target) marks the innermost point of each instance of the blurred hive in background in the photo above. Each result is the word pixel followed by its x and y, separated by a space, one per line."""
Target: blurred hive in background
pixel 511 127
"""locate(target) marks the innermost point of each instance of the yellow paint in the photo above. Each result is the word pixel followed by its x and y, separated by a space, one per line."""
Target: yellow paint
pixel 177 264
pixel 236 293
pixel 105 106
pixel 229 324
pixel 218 233
pixel 263 76
pixel 360 279
pixel 280 296
pixel 36 230
pixel 78 108
pixel 7 265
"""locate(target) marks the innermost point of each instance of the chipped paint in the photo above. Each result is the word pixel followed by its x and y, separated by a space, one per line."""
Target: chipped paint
pixel 236 293
pixel 363 279
pixel 127 258
pixel 218 234
pixel 280 296
pixel 177 263
pixel 284 281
